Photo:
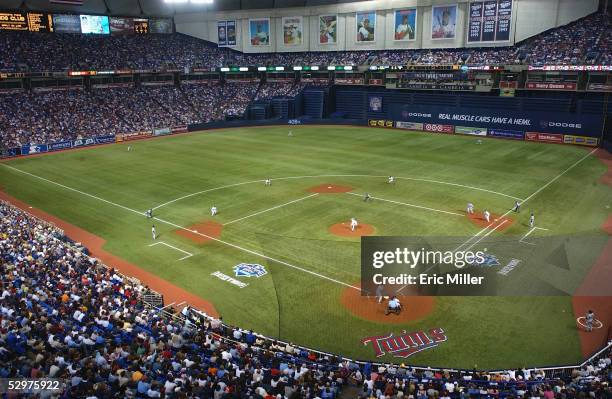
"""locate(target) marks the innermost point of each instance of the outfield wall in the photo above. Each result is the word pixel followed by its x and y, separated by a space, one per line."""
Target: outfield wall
pixel 465 128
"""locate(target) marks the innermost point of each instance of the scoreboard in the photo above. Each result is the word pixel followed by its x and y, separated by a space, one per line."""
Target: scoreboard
pixel 32 21
pixel 13 21
pixel 141 25
pixel 40 22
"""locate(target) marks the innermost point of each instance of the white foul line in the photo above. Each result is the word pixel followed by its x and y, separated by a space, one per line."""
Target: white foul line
pixel 192 231
pixel 522 240
pixel 530 197
pixel 271 209
pixel 189 254
pixel 73 189
pixel 411 205
pixel 488 234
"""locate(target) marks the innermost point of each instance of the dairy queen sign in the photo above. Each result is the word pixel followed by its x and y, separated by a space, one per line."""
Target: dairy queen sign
pixel 406 344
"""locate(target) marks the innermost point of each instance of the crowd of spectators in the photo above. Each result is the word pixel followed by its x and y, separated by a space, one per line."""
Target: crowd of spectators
pixel 279 89
pixel 63 315
pixel 59 115
pixel 571 44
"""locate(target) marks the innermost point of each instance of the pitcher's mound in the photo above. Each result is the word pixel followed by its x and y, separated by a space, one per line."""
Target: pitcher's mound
pixel 367 308
pixel 344 230
pixel 494 220
pixel 328 188
pixel 201 232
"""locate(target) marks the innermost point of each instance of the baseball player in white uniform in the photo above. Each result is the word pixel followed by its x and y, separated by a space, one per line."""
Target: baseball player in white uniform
pixel 268 182
pixel 213 211
pixel 354 224
pixel 153 232
pixel 391 179
pixel 470 207
pixel 487 216
pixel 531 220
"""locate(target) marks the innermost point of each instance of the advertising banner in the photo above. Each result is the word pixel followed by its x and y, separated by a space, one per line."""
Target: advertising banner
pixel 132 136
pixel 375 103
pixel 66 23
pixel 544 122
pixel 13 152
pixel 161 131
pixel 432 127
pixel 84 142
pixel 506 134
pixel 121 26
pixel 380 123
pixel 580 140
pixel 409 125
pixel 551 86
pixel 544 137
pixel 62 145
pixel 231 33
pixel 33 149
pixel 105 139
pixel 179 129
pixel 474 131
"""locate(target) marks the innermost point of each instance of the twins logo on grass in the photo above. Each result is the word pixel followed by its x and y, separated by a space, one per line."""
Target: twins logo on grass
pixel 250 270
pixel 407 343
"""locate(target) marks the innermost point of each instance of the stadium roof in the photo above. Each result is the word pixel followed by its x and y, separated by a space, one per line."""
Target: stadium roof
pixel 159 7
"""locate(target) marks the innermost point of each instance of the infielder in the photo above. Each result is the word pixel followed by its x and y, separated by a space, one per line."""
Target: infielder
pixel 149 213
pixel 531 220
pixel 391 179
pixel 487 216
pixel 470 207
pixel 213 211
pixel 354 224
pixel 517 206
pixel 153 233
pixel 367 197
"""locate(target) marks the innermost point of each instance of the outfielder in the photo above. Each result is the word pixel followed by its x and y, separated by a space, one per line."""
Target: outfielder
pixel 268 182
pixel 367 197
pixel 391 179
pixel 213 211
pixel 354 224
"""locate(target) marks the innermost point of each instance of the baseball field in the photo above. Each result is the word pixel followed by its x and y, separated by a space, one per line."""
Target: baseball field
pixel 283 261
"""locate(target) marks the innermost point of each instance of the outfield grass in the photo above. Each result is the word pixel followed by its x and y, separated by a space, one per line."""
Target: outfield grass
pixel 442 172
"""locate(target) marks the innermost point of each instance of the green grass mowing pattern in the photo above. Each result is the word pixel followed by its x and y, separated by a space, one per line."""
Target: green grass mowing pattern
pixel 483 332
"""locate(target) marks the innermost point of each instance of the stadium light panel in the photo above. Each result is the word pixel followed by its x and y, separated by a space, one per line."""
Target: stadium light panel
pixel 225 69
pixel 331 68
pixel 244 69
pixel 202 1
pixel 262 69
pixel 297 68
pixel 314 68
